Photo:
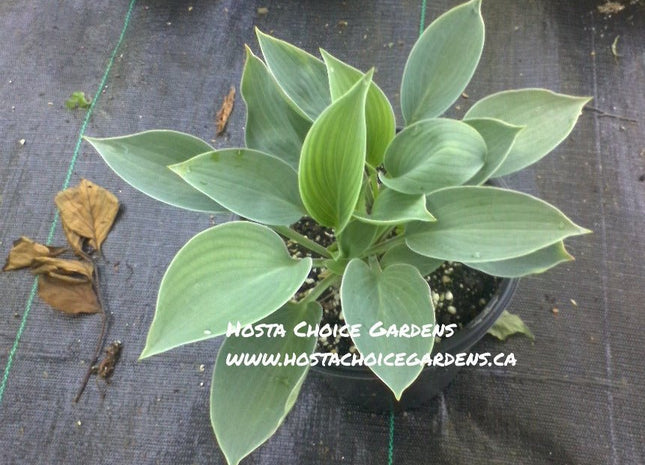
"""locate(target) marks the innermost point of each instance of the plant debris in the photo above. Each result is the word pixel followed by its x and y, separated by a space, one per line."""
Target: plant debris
pixel 614 47
pixel 106 367
pixel 509 324
pixel 77 100
pixel 225 111
pixel 610 8
pixel 71 286
pixel 25 251
pixel 87 211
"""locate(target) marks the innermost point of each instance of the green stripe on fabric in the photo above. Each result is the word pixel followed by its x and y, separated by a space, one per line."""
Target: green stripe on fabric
pixel 390 449
pixel 422 21
pixel 68 176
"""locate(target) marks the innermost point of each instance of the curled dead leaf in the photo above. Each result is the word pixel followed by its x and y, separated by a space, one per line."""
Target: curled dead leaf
pixel 68 297
pixel 25 251
pixel 88 211
pixel 225 111
pixel 74 240
pixel 67 270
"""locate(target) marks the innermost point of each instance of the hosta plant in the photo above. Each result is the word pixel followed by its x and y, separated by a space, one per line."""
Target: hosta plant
pixel 321 143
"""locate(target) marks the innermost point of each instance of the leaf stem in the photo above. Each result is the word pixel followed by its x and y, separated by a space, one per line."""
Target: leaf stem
pixel 302 240
pixel 321 287
pixel 319 262
pixel 383 246
pixel 104 320
pixel 373 177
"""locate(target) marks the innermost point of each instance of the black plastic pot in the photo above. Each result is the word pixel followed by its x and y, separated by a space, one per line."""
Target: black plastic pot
pixel 362 388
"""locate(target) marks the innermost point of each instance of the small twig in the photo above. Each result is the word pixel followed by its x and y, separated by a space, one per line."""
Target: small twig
pixel 610 115
pixel 99 345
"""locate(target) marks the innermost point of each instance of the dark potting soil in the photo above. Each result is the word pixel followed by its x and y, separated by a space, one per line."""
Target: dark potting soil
pixel 459 293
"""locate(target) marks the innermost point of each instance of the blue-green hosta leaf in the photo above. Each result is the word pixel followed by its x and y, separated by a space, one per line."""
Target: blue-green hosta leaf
pixel 357 237
pixel 499 137
pixel 253 184
pixel 397 295
pixel 392 207
pixel 302 76
pixel 442 62
pixel 548 119
pixel 333 159
pixel 536 262
pixel 432 154
pixel 249 403
pixel 272 123
pixel 509 324
pixel 402 254
pixel 481 224
pixel 379 116
pixel 237 271
pixel 142 161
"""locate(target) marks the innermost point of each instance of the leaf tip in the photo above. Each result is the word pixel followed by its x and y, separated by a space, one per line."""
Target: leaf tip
pixel 583 231
pixel 179 168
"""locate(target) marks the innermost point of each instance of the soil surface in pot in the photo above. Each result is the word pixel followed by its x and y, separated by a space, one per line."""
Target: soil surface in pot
pixel 459 293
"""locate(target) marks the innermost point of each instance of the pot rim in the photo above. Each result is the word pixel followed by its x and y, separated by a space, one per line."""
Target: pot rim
pixel 461 341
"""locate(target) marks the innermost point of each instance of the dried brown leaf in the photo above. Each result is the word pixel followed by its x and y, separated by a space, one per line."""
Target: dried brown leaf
pixel 68 297
pixel 24 251
pixel 87 210
pixel 66 270
pixel 74 240
pixel 610 8
pixel 225 111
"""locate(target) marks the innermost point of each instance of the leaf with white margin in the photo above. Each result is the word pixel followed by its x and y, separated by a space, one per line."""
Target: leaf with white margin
pixel 397 296
pixel 273 125
pixel 533 263
pixel 142 161
pixel 548 119
pixel 481 224
pixel 432 154
pixel 499 137
pixel 249 403
pixel 442 62
pixel 402 254
pixel 236 271
pixel 302 76
pixel 392 207
pixel 252 184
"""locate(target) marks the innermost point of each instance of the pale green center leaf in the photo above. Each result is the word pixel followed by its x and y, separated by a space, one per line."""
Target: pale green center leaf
pixel 248 403
pixel 433 154
pixel 481 224
pixel 392 207
pixel 442 62
pixel 396 296
pixel 499 137
pixel 333 159
pixel 302 76
pixel 236 271
pixel 142 161
pixel 379 116
pixel 548 119
pixel 252 184
pixel 273 125
pixel 533 263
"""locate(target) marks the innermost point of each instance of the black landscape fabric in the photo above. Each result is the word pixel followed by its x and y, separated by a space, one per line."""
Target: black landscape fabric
pixel 576 394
